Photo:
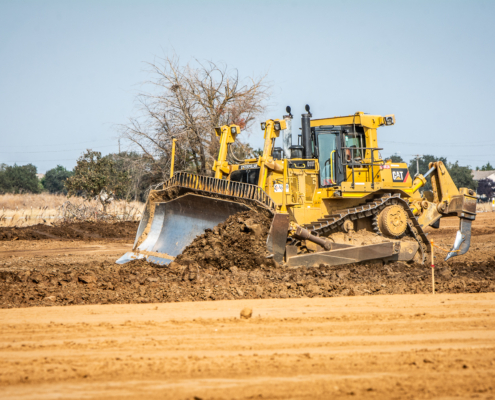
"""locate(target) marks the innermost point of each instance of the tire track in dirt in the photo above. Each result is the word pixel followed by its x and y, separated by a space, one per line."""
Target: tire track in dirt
pixel 349 347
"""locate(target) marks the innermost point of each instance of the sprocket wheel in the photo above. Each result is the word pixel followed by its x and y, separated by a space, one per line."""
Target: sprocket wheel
pixel 392 221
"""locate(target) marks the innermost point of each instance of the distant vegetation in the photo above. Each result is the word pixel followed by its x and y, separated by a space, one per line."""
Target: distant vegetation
pixel 128 175
pixel 461 175
pixel 55 178
pixel 19 179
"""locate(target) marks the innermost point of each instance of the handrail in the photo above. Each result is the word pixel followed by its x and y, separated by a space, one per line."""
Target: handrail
pixel 372 164
pixel 220 186
pixel 332 180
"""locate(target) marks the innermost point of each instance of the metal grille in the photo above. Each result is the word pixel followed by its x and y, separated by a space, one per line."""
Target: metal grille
pixel 310 187
pixel 294 188
pixel 221 186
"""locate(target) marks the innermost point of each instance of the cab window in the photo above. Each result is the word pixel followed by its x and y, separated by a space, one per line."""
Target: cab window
pixel 352 144
pixel 327 157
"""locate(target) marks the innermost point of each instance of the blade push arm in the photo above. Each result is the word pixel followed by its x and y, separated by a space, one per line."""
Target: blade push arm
pixel 272 131
pixel 227 135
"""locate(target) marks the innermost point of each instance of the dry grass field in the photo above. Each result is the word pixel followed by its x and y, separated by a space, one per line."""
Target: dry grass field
pixel 32 209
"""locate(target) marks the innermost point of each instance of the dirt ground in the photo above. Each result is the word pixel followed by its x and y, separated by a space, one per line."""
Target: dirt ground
pixel 315 333
pixel 72 270
pixel 376 347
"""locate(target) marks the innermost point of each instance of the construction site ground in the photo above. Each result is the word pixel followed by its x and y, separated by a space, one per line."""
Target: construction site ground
pixel 76 325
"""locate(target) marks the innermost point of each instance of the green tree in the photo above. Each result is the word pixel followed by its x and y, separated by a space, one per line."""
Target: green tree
pixel 461 176
pixel 396 158
pixel 19 179
pixel 424 162
pixel 486 188
pixel 55 178
pixel 486 167
pixel 97 177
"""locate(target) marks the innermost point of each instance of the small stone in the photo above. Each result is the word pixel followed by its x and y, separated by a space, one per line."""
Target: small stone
pixel 259 291
pixel 428 361
pixel 51 298
pixel 239 291
pixel 246 313
pixel 87 279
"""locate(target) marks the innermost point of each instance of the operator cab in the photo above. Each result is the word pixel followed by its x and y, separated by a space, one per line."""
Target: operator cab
pixel 338 147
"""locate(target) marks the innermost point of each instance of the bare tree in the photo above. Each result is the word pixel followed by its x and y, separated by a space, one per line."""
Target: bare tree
pixel 188 102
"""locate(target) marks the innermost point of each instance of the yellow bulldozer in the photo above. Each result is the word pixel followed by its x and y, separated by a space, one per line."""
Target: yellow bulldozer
pixel 333 198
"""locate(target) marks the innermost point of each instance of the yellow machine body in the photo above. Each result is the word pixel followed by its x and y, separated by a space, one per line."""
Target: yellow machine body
pixel 306 200
pixel 334 200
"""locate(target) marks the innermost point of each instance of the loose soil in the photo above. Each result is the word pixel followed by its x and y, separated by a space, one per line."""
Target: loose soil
pixel 240 241
pixel 227 262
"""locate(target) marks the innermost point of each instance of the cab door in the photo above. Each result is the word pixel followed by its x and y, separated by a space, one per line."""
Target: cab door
pixel 329 157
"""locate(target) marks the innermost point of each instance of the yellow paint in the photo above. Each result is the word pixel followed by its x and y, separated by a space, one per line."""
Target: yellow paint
pixel 227 135
pixel 172 160
pixel 332 177
pixel 306 201
pixel 266 159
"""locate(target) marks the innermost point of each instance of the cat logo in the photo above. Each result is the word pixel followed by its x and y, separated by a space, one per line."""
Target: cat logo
pixel 397 176
pixel 400 174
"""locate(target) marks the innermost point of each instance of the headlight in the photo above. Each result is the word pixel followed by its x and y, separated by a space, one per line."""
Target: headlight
pixel 263 126
pixel 389 119
pixel 276 125
pixel 233 130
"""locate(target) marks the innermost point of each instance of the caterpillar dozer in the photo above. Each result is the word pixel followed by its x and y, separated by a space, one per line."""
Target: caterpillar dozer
pixel 333 198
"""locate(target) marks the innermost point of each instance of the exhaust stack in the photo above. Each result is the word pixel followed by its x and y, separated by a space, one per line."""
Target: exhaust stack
pixel 306 134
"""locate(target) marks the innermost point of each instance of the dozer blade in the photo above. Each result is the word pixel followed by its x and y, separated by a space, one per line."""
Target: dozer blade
pixel 168 227
pixel 462 239
pixel 342 254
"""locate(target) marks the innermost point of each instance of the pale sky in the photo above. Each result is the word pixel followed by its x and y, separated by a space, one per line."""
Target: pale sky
pixel 70 70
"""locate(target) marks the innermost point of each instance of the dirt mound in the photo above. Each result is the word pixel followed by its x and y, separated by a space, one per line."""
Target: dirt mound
pixel 73 231
pixel 240 242
pixel 141 282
